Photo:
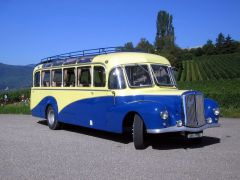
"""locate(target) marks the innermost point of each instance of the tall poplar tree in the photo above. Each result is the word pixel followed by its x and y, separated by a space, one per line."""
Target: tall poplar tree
pixel 165 31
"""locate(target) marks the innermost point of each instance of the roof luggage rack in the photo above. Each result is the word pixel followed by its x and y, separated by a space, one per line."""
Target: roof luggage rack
pixel 83 56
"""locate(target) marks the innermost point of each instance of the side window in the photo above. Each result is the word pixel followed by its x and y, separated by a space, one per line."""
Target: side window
pixel 69 77
pixel 99 76
pixel 84 76
pixel 46 78
pixel 37 79
pixel 116 79
pixel 56 78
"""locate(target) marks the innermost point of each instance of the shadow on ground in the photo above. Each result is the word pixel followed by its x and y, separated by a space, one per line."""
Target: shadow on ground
pixel 160 142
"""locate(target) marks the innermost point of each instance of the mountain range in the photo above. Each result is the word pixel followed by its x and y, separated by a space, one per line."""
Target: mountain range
pixel 15 76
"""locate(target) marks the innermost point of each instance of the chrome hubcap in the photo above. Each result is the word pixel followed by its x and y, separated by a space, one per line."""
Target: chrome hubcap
pixel 51 117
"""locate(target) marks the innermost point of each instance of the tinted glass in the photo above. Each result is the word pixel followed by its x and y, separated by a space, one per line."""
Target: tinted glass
pixel 37 79
pixel 69 77
pixel 46 78
pixel 138 75
pixel 116 79
pixel 161 75
pixel 84 76
pixel 99 76
pixel 57 78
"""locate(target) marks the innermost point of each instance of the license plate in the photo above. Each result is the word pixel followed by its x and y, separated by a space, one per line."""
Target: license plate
pixel 194 135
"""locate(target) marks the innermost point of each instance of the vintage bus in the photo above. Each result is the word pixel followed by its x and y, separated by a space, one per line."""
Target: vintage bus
pixel 111 90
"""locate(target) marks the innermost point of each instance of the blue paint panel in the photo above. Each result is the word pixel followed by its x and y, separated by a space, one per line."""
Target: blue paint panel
pixel 40 109
pixel 108 116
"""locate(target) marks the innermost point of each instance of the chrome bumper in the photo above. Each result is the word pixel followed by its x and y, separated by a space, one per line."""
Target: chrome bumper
pixel 181 129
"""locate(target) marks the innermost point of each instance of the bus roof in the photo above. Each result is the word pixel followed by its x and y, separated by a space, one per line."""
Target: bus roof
pixel 120 58
pixel 110 59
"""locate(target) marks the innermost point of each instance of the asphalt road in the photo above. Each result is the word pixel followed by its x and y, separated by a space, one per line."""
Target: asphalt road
pixel 30 150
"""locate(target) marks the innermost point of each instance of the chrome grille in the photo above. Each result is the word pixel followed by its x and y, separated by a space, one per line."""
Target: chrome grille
pixel 194 110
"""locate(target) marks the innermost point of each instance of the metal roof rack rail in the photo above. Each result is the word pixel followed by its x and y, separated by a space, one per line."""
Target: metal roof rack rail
pixel 78 54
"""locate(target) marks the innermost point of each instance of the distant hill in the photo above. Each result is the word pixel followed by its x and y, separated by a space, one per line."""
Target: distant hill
pixel 15 77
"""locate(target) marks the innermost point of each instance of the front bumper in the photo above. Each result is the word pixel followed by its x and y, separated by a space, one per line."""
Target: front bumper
pixel 182 129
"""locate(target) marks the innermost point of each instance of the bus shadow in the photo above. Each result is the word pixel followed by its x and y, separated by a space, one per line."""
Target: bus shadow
pixel 92 132
pixel 176 141
pixel 160 142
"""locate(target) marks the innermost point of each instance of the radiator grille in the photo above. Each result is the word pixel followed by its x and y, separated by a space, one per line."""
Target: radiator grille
pixel 194 110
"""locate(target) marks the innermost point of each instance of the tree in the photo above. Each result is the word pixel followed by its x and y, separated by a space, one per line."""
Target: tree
pixel 229 45
pixel 129 46
pixel 165 31
pixel 220 43
pixel 209 48
pixel 145 45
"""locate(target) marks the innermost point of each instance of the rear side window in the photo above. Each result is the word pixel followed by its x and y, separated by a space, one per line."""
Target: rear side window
pixel 46 78
pixel 84 76
pixel 57 78
pixel 116 79
pixel 69 77
pixel 37 79
pixel 99 76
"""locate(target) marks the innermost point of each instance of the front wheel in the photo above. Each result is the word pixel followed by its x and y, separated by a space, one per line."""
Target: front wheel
pixel 138 133
pixel 51 119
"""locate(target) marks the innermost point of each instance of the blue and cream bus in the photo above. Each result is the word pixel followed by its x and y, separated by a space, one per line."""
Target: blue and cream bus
pixel 111 90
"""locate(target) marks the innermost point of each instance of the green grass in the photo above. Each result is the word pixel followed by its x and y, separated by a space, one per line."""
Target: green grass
pixel 230 112
pixel 17 108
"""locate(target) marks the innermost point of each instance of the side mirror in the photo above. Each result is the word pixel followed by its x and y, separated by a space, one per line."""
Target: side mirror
pixel 174 69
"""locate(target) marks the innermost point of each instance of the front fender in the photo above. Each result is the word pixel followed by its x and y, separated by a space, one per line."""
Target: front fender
pixel 148 110
pixel 209 105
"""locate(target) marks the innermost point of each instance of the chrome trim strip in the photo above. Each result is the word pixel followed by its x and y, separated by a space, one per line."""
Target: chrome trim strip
pixel 180 129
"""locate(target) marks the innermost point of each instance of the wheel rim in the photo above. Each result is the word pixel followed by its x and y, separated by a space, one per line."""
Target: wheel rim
pixel 51 116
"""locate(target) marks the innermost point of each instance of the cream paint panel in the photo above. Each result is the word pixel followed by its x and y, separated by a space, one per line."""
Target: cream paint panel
pixel 64 97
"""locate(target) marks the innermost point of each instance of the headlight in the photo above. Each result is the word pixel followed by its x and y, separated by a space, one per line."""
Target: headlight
pixel 209 120
pixel 216 111
pixel 164 114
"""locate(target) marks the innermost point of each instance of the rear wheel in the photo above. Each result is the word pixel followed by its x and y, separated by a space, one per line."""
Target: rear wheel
pixel 138 132
pixel 51 119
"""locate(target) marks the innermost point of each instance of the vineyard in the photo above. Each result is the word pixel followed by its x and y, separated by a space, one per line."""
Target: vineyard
pixel 216 67
pixel 218 77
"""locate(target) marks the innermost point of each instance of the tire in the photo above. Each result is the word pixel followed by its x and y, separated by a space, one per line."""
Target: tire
pixel 138 133
pixel 51 119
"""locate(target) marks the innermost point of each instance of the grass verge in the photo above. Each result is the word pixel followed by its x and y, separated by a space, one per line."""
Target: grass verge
pixel 230 112
pixel 17 108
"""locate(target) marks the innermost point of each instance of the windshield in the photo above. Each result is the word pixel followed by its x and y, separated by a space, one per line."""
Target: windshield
pixel 162 75
pixel 138 75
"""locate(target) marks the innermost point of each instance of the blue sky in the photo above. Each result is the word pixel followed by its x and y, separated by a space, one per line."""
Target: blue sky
pixel 33 29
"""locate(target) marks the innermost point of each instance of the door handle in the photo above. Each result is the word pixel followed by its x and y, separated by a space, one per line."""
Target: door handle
pixel 114 97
